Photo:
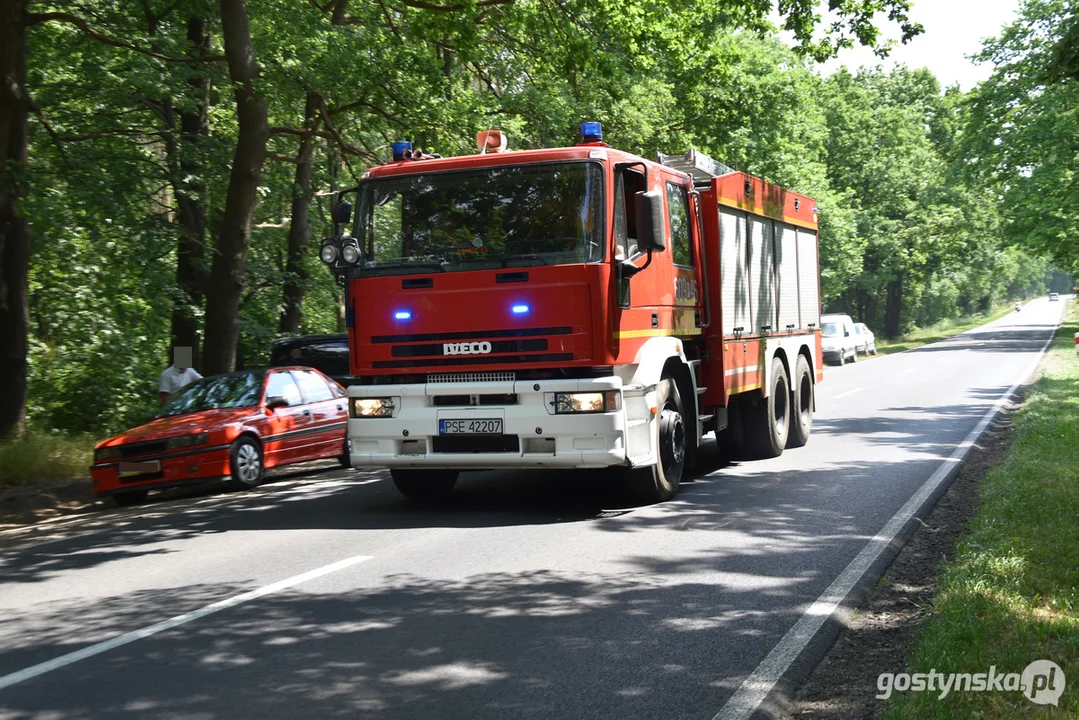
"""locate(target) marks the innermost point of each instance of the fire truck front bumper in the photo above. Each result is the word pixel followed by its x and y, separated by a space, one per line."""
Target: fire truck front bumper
pixel 483 425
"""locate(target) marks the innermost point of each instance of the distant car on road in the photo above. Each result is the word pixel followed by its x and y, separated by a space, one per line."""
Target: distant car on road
pixel 867 341
pixel 1054 296
pixel 228 427
pixel 326 353
pixel 839 340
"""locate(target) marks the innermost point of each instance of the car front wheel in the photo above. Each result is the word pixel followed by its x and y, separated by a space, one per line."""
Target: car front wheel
pixel 245 462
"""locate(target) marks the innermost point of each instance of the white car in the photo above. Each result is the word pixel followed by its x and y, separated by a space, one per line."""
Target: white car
pixel 840 342
pixel 867 341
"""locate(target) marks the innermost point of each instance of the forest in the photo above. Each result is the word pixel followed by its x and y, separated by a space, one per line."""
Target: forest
pixel 169 164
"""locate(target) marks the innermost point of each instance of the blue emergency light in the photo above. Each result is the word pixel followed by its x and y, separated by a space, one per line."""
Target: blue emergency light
pixel 400 148
pixel 402 315
pixel 591 132
pixel 520 309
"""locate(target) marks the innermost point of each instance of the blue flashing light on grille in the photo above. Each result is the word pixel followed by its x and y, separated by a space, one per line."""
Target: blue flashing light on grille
pixel 520 309
pixel 591 132
pixel 402 315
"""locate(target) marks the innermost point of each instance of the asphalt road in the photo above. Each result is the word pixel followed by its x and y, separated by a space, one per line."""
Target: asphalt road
pixel 527 595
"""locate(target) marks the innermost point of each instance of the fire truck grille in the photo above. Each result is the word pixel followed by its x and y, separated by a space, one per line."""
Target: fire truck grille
pixel 476 444
pixel 473 360
pixel 505 376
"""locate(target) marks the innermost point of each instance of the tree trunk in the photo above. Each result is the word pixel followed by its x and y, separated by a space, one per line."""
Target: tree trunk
pixel 893 308
pixel 299 234
pixel 230 253
pixel 14 231
pixel 190 190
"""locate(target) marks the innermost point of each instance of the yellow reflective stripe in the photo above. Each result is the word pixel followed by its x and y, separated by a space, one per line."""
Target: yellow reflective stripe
pixel 654 332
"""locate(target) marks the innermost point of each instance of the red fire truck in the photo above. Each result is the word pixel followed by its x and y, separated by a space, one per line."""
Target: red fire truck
pixel 576 307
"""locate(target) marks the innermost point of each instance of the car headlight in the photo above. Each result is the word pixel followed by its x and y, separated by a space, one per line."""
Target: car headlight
pixel 371 407
pixel 107 453
pixel 183 441
pixel 593 402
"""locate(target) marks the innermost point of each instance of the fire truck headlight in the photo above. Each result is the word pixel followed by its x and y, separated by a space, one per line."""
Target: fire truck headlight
pixel 595 402
pixel 371 407
pixel 350 254
pixel 327 253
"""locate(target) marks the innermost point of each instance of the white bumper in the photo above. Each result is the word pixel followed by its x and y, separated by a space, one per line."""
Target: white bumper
pixel 533 436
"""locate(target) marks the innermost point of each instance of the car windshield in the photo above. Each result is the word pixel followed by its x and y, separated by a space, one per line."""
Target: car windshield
pixel 223 391
pixel 831 329
pixel 513 216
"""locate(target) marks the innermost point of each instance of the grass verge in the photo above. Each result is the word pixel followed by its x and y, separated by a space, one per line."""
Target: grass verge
pixel 940 331
pixel 1011 595
pixel 45 456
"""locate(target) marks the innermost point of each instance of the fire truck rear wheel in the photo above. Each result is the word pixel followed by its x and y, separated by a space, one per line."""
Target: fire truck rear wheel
pixel 424 485
pixel 772 416
pixel 801 404
pixel 660 482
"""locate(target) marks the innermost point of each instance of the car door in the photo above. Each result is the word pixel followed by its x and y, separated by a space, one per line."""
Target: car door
pixel 851 341
pixel 289 424
pixel 329 414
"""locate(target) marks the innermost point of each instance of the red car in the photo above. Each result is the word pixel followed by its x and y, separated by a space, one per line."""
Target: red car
pixel 227 427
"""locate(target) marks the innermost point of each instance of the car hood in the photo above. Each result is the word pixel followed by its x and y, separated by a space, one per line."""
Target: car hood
pixel 832 343
pixel 190 424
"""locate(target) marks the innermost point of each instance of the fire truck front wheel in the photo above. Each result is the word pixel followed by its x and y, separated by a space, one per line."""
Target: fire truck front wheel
pixel 424 485
pixel 660 482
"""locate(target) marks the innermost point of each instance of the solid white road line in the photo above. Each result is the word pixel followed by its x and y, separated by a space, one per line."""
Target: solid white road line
pixel 756 687
pixel 101 647
pixel 843 395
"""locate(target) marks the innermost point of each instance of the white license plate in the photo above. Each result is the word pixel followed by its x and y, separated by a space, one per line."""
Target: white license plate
pixel 470 427
pixel 138 468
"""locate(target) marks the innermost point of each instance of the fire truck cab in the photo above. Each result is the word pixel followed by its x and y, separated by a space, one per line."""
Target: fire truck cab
pixel 576 307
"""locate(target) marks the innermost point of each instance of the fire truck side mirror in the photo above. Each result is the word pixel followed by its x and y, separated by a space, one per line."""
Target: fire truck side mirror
pixel 650 236
pixel 342 212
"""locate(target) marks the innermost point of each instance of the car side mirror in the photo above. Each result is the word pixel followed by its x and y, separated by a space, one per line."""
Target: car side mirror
pixel 272 403
pixel 649 208
pixel 342 212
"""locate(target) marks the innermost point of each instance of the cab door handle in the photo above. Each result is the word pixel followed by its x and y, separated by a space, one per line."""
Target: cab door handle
pixel 307 413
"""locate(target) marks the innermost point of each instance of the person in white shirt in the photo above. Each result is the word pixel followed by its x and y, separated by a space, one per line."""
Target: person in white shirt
pixel 178 375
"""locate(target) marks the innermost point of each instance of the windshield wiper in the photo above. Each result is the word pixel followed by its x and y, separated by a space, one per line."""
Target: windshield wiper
pixel 419 267
pixel 524 256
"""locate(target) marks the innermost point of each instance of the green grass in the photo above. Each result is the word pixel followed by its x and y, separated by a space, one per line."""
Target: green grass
pixel 45 456
pixel 1011 595
pixel 942 330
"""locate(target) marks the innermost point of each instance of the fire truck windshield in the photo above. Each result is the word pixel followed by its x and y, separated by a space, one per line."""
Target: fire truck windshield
pixel 508 216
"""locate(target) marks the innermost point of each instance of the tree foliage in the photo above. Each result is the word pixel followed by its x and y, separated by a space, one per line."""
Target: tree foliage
pixel 179 163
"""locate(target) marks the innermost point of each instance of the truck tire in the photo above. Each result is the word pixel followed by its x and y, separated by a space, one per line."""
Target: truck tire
pixel 424 485
pixel 245 464
pixel 769 420
pixel 660 482
pixel 801 404
pixel 131 497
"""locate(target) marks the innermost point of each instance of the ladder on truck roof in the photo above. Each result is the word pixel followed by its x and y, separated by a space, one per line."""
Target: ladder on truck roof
pixel 697 165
